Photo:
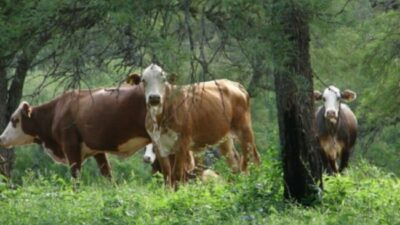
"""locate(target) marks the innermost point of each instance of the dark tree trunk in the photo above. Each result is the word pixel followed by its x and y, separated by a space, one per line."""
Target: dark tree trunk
pixel 294 95
pixel 17 85
pixel 10 97
pixel 6 155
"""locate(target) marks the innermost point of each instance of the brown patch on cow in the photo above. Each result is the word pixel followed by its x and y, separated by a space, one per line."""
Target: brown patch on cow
pixel 133 79
pixel 26 110
pixel 14 122
pixel 348 95
pixel 317 96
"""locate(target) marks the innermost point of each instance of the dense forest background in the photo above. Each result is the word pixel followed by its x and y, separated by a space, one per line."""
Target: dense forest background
pixel 50 46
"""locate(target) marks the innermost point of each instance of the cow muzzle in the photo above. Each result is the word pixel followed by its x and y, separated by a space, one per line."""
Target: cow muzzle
pixel 331 116
pixel 3 142
pixel 154 100
pixel 147 159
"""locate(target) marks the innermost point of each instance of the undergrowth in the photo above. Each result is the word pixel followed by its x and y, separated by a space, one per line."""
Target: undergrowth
pixel 363 195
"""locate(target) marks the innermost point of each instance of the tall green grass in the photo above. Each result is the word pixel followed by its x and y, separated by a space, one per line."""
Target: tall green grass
pixel 363 195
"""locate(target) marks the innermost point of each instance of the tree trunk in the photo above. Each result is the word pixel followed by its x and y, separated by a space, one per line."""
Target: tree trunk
pixel 6 155
pixel 10 98
pixel 17 85
pixel 302 165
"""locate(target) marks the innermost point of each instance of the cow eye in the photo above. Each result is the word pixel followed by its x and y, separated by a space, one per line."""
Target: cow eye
pixel 323 99
pixel 14 122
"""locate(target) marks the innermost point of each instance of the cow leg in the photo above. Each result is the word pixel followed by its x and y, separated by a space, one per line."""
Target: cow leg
pixel 344 162
pixel 190 165
pixel 75 165
pixel 72 150
pixel 103 164
pixel 181 157
pixel 246 138
pixel 165 166
pixel 75 169
pixel 333 165
pixel 326 164
pixel 231 155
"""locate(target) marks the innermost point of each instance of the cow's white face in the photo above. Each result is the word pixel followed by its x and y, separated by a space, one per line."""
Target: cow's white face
pixel 154 82
pixel 14 135
pixel 332 98
pixel 149 154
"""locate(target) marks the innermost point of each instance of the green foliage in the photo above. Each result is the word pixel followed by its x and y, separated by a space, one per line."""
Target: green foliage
pixel 384 151
pixel 364 195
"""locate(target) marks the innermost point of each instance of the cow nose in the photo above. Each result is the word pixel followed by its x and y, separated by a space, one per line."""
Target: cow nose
pixel 154 99
pixel 147 159
pixel 330 114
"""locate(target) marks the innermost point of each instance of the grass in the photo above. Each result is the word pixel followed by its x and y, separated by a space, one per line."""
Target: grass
pixel 363 195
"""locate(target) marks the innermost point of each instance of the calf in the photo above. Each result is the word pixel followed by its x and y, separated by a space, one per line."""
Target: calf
pixel 193 117
pixel 150 157
pixel 192 169
pixel 80 124
pixel 336 126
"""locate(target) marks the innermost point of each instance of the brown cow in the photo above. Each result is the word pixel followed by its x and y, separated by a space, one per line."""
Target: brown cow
pixel 80 124
pixel 336 126
pixel 192 117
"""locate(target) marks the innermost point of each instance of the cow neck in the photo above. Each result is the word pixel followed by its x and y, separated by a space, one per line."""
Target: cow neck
pixel 42 117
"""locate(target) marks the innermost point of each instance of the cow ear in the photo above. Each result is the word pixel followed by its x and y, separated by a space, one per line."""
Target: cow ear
pixel 348 95
pixel 26 109
pixel 133 79
pixel 317 96
pixel 172 78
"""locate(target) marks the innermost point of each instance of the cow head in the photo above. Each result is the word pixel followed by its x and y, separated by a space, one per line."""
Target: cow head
pixel 149 154
pixel 332 98
pixel 154 80
pixel 14 133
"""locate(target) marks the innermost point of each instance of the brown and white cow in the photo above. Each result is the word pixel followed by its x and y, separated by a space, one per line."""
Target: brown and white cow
pixel 150 157
pixel 336 126
pixel 80 124
pixel 192 117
